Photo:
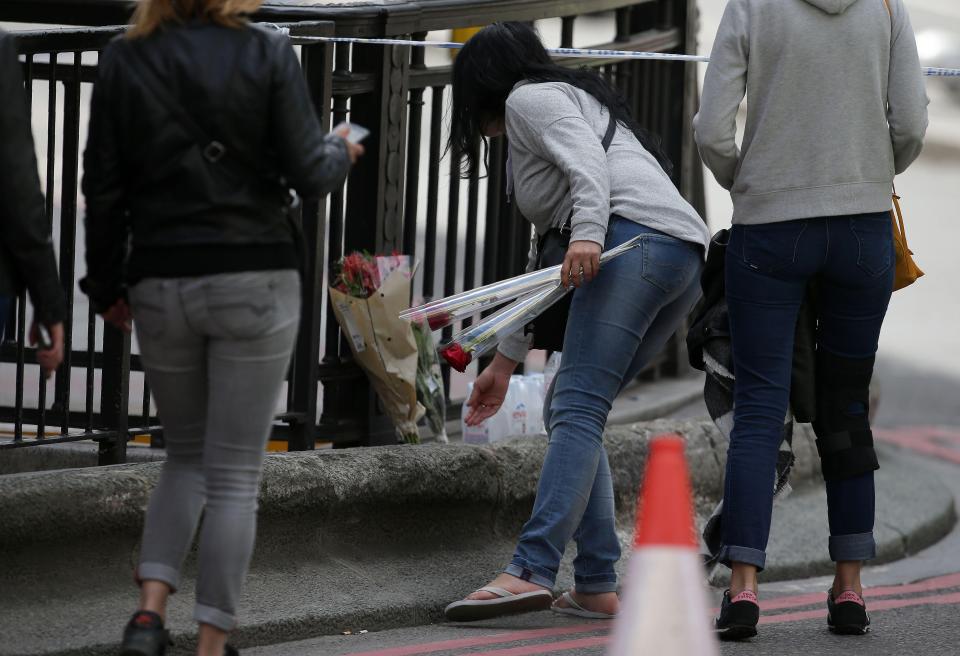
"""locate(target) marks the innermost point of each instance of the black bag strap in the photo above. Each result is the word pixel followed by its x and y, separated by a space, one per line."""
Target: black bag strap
pixel 214 150
pixel 607 140
pixel 611 132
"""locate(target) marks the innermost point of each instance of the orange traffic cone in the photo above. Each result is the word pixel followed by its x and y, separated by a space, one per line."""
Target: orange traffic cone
pixel 665 610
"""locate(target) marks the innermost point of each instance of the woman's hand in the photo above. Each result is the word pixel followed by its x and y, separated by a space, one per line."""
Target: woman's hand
pixel 581 264
pixel 489 390
pixel 354 151
pixel 119 316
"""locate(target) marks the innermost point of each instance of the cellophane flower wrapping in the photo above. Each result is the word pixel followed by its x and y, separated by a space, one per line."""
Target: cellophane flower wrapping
pixel 482 338
pixel 446 311
pixel 535 292
pixel 368 295
pixel 430 390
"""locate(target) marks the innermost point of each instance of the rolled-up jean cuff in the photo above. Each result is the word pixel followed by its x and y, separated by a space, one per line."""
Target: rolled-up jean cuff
pixel 159 572
pixel 214 617
pixel 536 576
pixel 755 557
pixel 853 547
pixel 595 584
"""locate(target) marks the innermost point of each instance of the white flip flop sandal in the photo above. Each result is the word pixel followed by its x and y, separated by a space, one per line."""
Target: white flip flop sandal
pixel 506 603
pixel 575 609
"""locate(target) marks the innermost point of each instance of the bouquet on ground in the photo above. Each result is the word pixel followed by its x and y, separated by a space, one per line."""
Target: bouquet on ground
pixel 532 294
pixel 367 295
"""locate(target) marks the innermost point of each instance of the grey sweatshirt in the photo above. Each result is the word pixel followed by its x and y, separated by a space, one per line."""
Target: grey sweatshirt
pixel 836 105
pixel 560 170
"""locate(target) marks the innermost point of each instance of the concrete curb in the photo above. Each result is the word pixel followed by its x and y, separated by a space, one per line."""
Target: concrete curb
pixel 377 537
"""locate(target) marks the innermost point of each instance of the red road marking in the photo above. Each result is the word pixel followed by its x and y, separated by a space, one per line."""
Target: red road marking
pixel 879 605
pixel 782 618
pixel 550 647
pixel 929 585
pixel 941 432
pixel 480 641
pixel 884 604
pixel 919 440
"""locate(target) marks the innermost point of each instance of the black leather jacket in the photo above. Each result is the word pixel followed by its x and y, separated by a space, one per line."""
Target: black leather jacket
pixel 145 174
pixel 26 253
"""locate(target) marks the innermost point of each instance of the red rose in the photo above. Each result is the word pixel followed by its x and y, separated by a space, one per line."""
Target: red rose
pixel 439 321
pixel 456 357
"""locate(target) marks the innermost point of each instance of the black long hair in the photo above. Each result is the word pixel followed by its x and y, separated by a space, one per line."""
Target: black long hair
pixel 492 62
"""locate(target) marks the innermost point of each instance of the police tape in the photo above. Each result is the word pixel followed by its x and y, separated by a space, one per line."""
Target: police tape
pixel 578 53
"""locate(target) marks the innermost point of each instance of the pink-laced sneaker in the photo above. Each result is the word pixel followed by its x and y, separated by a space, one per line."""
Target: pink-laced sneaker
pixel 847 614
pixel 738 616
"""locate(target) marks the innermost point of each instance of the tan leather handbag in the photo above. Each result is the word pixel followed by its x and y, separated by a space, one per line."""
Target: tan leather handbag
pixel 906 272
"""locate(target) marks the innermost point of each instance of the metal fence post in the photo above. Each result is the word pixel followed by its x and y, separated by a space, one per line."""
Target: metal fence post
pixel 317 63
pixel 114 396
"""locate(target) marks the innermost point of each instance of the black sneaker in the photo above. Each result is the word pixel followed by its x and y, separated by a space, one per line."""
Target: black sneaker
pixel 847 614
pixel 145 635
pixel 738 616
pixel 229 650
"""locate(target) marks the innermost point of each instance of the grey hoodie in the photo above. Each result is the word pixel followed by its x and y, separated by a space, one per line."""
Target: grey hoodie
pixel 836 105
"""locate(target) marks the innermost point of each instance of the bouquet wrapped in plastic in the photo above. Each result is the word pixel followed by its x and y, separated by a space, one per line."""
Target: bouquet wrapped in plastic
pixel 430 391
pixel 367 295
pixel 533 293
pixel 445 311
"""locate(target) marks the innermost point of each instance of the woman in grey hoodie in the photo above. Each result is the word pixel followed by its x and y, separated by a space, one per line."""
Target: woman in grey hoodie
pixel 578 160
pixel 836 107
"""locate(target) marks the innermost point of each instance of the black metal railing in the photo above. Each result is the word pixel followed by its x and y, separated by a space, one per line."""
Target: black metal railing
pixel 404 195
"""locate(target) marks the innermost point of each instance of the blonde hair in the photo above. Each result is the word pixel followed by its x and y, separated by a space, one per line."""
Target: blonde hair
pixel 151 15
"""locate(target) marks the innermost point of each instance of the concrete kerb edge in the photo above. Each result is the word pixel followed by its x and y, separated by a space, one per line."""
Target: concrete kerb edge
pixel 110 500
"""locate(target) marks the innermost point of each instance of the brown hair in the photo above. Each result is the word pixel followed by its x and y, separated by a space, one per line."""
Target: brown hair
pixel 151 15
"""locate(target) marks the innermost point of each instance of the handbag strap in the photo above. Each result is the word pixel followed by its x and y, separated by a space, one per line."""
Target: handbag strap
pixel 607 140
pixel 610 133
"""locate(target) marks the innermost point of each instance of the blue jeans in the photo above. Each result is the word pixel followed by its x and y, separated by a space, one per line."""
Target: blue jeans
pixel 768 268
pixel 617 324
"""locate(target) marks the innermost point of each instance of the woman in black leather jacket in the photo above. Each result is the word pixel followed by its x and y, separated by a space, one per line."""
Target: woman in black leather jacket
pixel 200 124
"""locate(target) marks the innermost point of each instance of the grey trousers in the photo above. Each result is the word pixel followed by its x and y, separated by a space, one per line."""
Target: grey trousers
pixel 216 351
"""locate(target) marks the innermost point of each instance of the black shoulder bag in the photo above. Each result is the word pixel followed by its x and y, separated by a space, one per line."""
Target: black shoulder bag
pixel 550 328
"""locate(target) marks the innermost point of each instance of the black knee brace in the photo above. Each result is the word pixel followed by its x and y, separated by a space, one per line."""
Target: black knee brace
pixel 844 439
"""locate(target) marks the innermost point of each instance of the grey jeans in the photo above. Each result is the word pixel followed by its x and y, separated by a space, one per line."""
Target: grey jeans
pixel 216 351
